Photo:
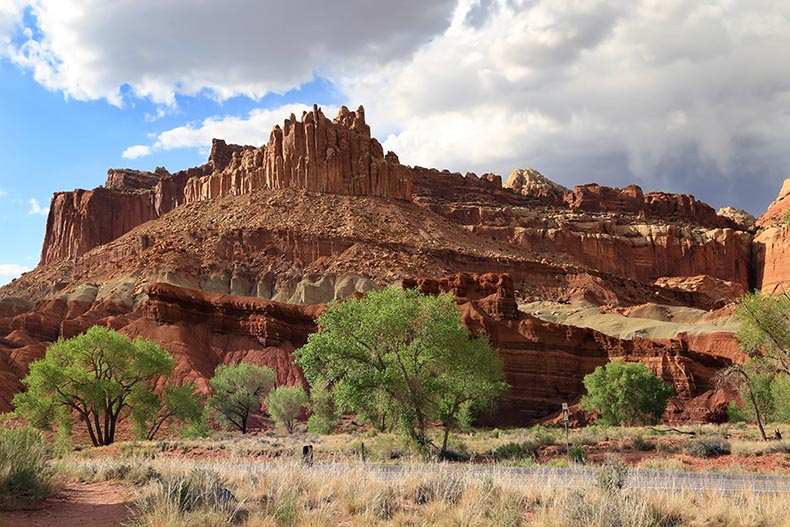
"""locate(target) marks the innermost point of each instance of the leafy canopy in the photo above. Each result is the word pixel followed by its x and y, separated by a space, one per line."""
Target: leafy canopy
pixel 626 393
pixel 765 328
pixel 402 359
pixel 99 375
pixel 179 403
pixel 285 404
pixel 764 380
pixel 238 390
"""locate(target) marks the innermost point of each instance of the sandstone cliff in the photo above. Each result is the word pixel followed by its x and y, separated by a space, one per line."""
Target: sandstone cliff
pixel 772 245
pixel 319 213
pixel 313 153
pixel 544 362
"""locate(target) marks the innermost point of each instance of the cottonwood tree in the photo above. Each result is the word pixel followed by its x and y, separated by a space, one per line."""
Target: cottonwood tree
pixel 402 359
pixel 285 403
pixel 238 390
pixel 764 334
pixel 179 403
pixel 625 393
pixel 100 376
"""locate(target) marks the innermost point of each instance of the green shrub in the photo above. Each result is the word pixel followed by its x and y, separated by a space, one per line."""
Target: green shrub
pixel 710 446
pixel 530 448
pixel 625 393
pixel 543 436
pixel 643 445
pixel 24 473
pixel 321 424
pixel 736 414
pixel 577 455
pixel 509 451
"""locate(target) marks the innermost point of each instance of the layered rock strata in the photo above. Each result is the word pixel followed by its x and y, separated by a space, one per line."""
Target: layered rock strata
pixel 314 153
pixel 311 153
pixel 772 245
pixel 544 362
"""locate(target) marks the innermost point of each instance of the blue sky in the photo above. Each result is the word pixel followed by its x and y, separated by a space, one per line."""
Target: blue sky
pixel 681 96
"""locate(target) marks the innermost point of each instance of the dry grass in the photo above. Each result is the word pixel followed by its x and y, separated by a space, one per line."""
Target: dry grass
pixel 181 493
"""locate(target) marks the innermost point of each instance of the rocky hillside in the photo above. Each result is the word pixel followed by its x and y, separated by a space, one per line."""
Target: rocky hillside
pixel 234 259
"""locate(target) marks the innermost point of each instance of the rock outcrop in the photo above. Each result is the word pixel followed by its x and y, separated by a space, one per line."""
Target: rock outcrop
pixel 631 199
pixel 619 232
pixel 231 260
pixel 772 245
pixel 530 182
pixel 544 362
pixel 311 153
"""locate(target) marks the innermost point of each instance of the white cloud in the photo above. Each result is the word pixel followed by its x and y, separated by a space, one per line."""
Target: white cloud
pixel 252 130
pixel 3 193
pixel 10 271
pixel 10 20
pixel 36 208
pixel 678 95
pixel 133 152
pixel 91 48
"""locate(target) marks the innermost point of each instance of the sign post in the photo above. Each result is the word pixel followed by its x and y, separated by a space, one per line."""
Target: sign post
pixel 567 442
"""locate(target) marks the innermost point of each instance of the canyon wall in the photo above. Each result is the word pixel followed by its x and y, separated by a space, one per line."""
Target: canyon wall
pixel 313 153
pixel 772 245
pixel 544 362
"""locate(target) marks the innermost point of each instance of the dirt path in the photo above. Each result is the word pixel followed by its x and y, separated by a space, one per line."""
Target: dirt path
pixel 80 504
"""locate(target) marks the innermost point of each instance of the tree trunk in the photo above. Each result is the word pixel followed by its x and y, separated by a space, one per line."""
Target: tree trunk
pixel 444 440
pixel 756 410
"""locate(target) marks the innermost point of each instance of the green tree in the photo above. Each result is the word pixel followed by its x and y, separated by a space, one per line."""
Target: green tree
pixel 179 403
pixel 765 328
pixel 99 376
pixel 323 417
pixel 402 359
pixel 764 334
pixel 238 390
pixel 285 403
pixel 752 390
pixel 626 393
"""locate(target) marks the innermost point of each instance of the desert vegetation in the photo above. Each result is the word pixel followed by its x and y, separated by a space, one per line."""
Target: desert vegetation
pixel 25 475
pixel 386 392
pixel 179 492
pixel 403 360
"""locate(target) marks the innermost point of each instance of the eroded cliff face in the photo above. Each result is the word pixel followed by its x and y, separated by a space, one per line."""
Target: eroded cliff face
pixel 622 232
pixel 314 153
pixel 772 245
pixel 544 362
pixel 320 213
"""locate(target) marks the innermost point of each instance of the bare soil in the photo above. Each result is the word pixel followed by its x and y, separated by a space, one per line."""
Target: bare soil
pixel 78 504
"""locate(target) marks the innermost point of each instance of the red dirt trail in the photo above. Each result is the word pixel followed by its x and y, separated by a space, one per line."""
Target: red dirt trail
pixel 79 504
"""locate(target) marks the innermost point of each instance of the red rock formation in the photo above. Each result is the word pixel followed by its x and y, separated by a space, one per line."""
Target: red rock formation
pixel 718 292
pixel 126 179
pixel 203 330
pixel 680 207
pixel 545 362
pixel 83 219
pixel 772 245
pixel 315 154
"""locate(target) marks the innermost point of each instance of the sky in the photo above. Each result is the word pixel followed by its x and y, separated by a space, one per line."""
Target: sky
pixel 681 96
